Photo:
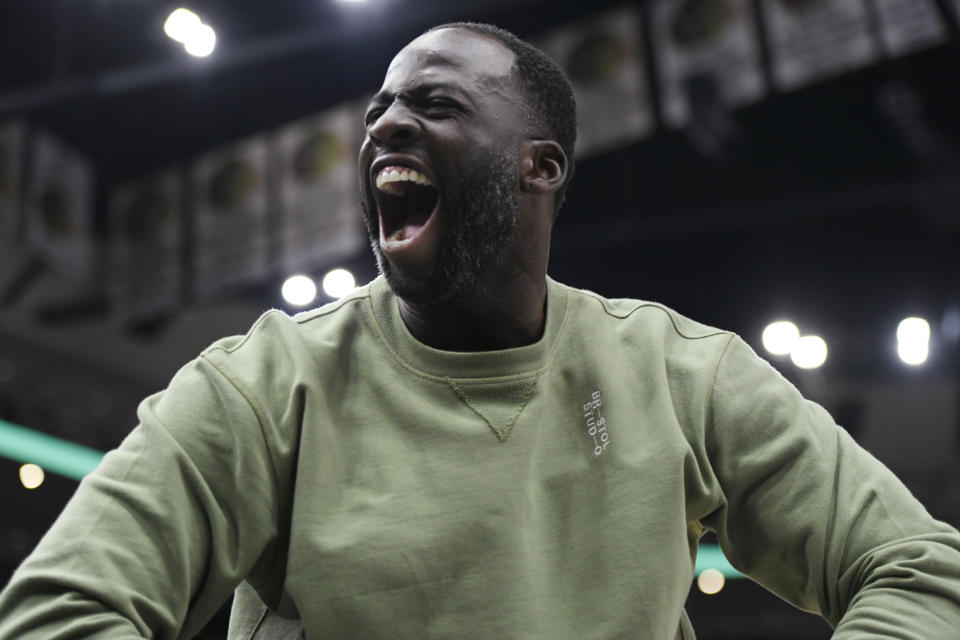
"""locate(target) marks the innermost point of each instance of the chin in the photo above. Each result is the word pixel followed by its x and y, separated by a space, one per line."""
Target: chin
pixel 428 291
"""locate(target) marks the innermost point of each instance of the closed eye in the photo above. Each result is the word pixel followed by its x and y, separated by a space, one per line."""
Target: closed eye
pixel 373 115
pixel 440 107
pixel 440 103
pixel 433 107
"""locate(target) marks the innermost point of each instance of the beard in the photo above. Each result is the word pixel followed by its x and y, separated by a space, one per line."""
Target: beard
pixel 479 221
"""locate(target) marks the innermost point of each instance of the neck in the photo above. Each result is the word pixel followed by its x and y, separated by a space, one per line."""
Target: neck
pixel 488 318
pixel 506 307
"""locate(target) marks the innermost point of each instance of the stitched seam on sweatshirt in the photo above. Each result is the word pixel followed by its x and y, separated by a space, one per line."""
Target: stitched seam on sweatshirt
pixel 708 409
pixel 643 305
pixel 489 380
pixel 326 310
pixel 261 320
pixel 256 628
pixel 444 379
pixel 396 356
pixel 319 313
pixel 558 336
pixel 261 421
pixel 510 421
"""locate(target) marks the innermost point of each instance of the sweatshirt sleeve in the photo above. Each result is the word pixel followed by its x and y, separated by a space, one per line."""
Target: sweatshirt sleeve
pixel 813 517
pixel 155 539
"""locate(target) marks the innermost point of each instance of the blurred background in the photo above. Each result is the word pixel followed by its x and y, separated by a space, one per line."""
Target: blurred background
pixel 787 169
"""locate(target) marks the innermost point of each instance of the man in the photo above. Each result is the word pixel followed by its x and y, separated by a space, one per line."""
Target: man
pixel 467 449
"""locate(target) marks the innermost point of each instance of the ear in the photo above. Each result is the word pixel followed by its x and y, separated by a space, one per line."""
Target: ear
pixel 543 166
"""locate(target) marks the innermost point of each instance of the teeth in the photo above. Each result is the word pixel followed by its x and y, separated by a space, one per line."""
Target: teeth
pixel 400 174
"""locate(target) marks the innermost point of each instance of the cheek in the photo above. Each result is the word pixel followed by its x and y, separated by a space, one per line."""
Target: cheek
pixel 364 154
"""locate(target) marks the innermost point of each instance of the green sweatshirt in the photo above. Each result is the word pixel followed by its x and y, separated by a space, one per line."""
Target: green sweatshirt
pixel 377 488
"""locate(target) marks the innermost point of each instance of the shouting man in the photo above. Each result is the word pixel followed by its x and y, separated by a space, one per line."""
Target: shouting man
pixel 467 449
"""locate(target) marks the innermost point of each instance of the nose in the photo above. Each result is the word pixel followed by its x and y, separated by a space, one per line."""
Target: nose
pixel 396 127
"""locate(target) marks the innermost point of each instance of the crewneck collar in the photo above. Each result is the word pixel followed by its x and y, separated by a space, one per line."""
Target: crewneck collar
pixel 432 362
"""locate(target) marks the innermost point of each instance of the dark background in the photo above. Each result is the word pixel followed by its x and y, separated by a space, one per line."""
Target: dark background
pixel 835 205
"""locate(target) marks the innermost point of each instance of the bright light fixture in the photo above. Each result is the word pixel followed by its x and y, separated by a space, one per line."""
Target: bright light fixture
pixel 31 475
pixel 780 337
pixel 913 340
pixel 181 24
pixel 913 353
pixel 913 330
pixel 186 27
pixel 299 290
pixel 338 283
pixel 810 352
pixel 201 41
pixel 710 581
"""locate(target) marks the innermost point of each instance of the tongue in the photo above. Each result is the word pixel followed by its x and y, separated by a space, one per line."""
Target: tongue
pixel 410 227
pixel 407 231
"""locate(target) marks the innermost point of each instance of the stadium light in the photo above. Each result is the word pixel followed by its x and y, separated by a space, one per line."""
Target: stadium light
pixel 181 24
pixel 31 475
pixel 202 41
pixel 711 581
pixel 780 337
pixel 299 290
pixel 913 341
pixel 186 27
pixel 810 352
pixel 338 283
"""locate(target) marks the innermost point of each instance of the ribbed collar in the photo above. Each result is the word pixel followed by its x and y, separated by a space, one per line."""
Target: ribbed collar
pixel 385 313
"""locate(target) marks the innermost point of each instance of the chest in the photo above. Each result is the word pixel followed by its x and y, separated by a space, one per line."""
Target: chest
pixel 408 499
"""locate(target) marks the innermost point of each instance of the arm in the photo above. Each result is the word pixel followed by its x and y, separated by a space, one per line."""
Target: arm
pixel 816 519
pixel 155 540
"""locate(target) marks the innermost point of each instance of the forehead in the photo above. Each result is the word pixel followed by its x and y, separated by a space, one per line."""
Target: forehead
pixel 451 54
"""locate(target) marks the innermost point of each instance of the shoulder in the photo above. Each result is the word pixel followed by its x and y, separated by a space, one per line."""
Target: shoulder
pixel 275 327
pixel 636 317
pixel 279 345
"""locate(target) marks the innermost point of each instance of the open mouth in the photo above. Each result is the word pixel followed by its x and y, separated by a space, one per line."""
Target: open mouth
pixel 407 200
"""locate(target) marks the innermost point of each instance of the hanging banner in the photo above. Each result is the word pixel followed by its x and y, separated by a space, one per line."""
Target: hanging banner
pixel 909 25
pixel 230 221
pixel 319 216
pixel 144 230
pixel 59 206
pixel 603 57
pixel 708 41
pixel 13 136
pixel 814 39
